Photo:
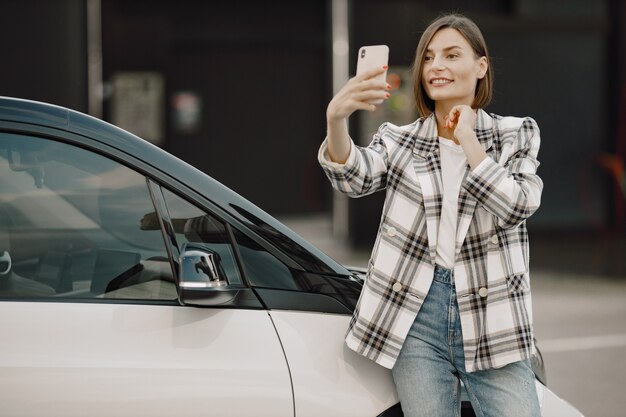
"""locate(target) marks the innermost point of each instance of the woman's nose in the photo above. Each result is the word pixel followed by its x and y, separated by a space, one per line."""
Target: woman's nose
pixel 438 62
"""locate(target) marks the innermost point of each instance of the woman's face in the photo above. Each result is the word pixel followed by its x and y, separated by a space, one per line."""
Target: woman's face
pixel 451 70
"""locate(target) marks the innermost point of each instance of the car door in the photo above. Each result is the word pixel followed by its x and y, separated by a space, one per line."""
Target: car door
pixel 311 312
pixel 89 314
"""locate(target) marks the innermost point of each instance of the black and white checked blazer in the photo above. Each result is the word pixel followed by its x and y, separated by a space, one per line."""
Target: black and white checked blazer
pixel 491 270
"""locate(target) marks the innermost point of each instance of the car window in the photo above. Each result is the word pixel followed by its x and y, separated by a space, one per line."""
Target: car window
pixel 192 224
pixel 262 268
pixel 267 271
pixel 71 226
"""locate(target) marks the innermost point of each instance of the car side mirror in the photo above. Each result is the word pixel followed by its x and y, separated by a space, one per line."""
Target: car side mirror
pixel 201 277
pixel 200 267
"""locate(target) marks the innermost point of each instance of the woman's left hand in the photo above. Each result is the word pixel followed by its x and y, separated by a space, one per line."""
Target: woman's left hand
pixel 461 119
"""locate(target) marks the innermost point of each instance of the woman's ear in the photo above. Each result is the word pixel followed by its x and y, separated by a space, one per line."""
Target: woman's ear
pixel 483 66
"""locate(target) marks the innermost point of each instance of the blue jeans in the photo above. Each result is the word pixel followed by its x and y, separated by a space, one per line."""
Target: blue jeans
pixel 431 364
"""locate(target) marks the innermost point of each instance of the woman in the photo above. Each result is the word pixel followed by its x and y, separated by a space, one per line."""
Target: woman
pixel 447 294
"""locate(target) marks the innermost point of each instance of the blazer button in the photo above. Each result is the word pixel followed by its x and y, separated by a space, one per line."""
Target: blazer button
pixel 397 287
pixel 483 292
pixel 391 231
pixel 494 239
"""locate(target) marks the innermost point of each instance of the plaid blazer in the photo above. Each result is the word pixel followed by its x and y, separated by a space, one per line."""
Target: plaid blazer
pixel 491 269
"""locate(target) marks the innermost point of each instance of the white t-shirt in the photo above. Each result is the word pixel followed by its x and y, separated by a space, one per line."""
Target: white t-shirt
pixel 453 166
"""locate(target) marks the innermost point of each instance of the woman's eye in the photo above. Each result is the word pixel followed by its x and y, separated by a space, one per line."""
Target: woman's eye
pixel 452 56
pixel 428 58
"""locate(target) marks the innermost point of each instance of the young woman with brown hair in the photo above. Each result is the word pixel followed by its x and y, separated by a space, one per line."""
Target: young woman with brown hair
pixel 447 293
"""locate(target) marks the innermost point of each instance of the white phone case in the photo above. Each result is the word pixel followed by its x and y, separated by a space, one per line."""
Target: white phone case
pixel 373 56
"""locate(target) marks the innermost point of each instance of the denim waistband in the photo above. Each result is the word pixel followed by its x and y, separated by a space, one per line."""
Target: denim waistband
pixel 443 275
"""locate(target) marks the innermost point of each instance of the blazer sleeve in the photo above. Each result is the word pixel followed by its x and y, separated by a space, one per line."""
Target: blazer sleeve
pixel 511 192
pixel 365 170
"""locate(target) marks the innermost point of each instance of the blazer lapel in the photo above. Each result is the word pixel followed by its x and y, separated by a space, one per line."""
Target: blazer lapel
pixel 467 203
pixel 427 164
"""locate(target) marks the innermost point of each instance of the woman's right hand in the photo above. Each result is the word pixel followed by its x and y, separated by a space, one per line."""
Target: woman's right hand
pixel 355 95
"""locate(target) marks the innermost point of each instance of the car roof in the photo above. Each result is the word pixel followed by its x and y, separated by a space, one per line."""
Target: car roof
pixel 45 115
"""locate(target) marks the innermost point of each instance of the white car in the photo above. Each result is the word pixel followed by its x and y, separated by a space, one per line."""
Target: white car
pixel 131 284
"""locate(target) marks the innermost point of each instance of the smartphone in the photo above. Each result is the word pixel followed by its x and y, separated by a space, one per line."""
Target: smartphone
pixel 373 56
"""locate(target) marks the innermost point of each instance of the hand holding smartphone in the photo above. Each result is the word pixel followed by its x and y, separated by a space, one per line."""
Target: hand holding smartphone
pixel 370 57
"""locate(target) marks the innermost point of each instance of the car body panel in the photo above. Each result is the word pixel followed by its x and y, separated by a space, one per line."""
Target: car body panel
pixel 554 406
pixel 322 366
pixel 79 359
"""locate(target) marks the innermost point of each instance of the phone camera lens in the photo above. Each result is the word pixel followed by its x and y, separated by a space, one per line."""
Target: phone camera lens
pixel 362 53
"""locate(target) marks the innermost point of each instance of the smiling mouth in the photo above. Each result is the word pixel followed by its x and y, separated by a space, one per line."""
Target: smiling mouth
pixel 440 81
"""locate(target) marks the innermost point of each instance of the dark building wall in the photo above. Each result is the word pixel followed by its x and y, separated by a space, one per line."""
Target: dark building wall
pixel 262 71
pixel 617 108
pixel 44 53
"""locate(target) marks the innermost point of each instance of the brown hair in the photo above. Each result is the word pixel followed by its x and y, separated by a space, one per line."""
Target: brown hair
pixel 471 32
